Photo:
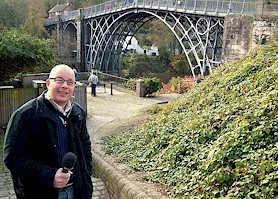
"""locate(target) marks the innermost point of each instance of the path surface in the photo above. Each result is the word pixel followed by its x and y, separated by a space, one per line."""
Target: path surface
pixel 101 110
pixel 107 112
pixel 106 108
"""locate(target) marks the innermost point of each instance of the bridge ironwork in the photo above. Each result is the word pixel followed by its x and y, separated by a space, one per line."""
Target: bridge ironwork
pixel 197 25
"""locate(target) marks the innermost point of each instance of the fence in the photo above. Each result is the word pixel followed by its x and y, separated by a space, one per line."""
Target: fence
pixel 13 98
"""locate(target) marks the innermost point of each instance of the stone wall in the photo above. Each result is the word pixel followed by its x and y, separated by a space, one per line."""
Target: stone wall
pixel 267 8
pixel 263 31
pixel 117 185
pixel 265 22
pixel 243 33
pixel 237 37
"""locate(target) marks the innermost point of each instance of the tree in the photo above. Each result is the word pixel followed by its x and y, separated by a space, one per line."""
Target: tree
pixel 34 23
pixel 168 37
pixel 5 10
pixel 21 52
pixel 48 4
pixel 15 11
pixel 139 66
pixel 180 64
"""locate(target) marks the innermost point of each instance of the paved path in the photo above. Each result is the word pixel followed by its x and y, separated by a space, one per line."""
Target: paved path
pixel 105 108
pixel 101 110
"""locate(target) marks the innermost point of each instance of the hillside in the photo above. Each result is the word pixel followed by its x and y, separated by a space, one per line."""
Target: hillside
pixel 217 140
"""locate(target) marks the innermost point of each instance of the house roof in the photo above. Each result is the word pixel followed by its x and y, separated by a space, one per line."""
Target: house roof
pixel 59 7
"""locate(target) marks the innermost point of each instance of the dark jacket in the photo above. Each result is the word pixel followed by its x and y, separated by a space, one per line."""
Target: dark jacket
pixel 30 151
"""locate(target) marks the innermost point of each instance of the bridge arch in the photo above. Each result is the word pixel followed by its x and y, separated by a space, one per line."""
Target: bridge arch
pixel 111 39
pixel 69 40
pixel 198 36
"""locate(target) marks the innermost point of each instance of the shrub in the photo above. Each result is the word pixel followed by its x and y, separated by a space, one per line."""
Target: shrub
pixel 21 52
pixel 151 85
pixel 180 85
pixel 130 84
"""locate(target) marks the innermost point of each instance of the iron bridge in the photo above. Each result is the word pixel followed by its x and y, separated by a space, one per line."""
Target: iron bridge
pixel 197 25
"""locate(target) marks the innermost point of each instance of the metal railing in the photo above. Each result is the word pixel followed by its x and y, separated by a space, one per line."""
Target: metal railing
pixel 209 7
pixel 111 78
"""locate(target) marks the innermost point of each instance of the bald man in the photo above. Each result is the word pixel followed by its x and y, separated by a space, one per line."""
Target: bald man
pixel 38 136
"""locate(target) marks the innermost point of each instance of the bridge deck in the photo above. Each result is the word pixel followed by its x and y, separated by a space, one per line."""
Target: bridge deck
pixel 201 7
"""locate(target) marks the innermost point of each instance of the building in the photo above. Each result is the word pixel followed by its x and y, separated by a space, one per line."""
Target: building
pixel 134 48
pixel 60 9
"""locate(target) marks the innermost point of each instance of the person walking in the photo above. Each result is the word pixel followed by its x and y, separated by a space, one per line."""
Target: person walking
pixel 93 79
pixel 38 136
pixel 75 74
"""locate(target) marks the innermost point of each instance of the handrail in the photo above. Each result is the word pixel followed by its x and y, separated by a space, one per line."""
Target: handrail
pixel 121 79
pixel 209 7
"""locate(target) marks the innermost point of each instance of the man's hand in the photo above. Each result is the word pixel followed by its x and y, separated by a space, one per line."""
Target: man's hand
pixel 61 179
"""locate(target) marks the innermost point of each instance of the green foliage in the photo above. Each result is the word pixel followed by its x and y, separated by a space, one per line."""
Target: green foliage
pixel 137 65
pixel 35 17
pixel 31 13
pixel 12 13
pixel 151 85
pixel 21 52
pixel 165 56
pixel 219 140
pixel 172 86
pixel 130 84
pixel 179 64
pixel 155 109
pixel 5 10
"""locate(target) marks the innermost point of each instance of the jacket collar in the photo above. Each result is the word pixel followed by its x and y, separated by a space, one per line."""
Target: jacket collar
pixel 65 112
pixel 43 105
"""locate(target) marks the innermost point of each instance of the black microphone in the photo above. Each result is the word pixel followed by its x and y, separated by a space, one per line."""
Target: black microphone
pixel 68 162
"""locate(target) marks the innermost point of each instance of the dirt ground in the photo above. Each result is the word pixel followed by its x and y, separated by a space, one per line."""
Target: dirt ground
pixel 114 114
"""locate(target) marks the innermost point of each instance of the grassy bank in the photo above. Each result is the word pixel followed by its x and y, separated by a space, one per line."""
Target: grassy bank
pixel 219 140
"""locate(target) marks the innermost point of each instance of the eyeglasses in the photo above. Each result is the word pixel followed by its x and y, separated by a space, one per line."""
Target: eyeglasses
pixel 60 80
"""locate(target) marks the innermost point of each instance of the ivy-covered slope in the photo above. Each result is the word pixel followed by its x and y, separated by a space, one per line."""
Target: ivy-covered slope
pixel 217 140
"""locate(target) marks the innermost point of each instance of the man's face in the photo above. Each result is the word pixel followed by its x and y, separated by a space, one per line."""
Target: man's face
pixel 58 91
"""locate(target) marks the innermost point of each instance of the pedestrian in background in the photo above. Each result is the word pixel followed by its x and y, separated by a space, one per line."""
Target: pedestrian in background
pixel 38 136
pixel 75 74
pixel 93 80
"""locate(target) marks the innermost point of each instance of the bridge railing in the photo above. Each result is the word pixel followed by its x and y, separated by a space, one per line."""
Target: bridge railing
pixel 69 15
pixel 212 7
pixel 65 17
pixel 191 6
pixel 50 21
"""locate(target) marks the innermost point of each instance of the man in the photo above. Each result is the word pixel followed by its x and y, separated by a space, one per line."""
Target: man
pixel 93 79
pixel 38 136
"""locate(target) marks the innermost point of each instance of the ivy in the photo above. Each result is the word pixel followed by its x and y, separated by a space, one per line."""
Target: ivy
pixel 218 140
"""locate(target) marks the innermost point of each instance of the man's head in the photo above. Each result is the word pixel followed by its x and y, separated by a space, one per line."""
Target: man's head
pixel 61 84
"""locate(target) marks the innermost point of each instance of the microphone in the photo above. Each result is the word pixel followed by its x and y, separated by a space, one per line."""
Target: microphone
pixel 68 162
